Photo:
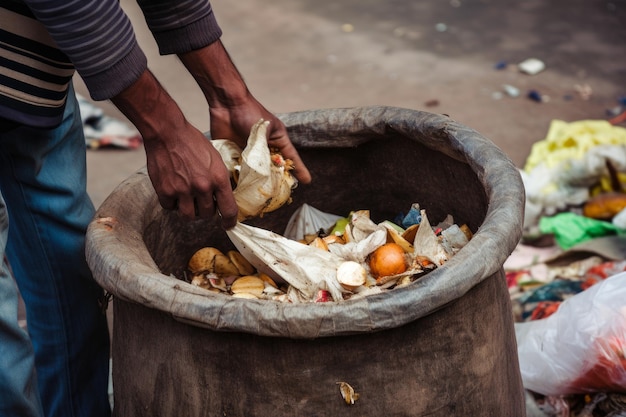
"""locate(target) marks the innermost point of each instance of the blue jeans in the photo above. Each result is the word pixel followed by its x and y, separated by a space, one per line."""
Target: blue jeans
pixel 43 223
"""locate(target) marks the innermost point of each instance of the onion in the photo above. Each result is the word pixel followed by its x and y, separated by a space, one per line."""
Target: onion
pixel 388 259
pixel 351 275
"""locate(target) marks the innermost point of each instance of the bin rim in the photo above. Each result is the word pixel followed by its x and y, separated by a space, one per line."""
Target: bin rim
pixel 122 265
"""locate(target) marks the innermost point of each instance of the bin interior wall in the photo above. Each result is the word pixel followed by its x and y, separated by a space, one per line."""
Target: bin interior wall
pixel 457 361
pixel 384 175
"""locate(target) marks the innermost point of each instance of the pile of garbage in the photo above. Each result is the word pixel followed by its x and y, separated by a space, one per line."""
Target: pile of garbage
pixel 567 277
pixel 324 257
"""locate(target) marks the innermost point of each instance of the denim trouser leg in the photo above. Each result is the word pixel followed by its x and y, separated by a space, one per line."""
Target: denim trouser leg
pixel 18 386
pixel 43 181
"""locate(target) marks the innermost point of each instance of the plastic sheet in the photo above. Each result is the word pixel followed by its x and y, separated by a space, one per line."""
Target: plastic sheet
pixel 570 229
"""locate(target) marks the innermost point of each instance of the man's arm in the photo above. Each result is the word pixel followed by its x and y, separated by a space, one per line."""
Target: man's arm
pixel 186 171
pixel 232 108
pixel 189 29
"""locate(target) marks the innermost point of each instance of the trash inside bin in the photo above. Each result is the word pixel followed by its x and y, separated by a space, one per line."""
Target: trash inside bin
pixel 443 345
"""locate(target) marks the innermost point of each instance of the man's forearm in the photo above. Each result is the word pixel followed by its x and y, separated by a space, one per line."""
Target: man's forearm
pixel 149 107
pixel 217 76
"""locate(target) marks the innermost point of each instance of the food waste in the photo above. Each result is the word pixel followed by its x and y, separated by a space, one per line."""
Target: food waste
pixel 353 257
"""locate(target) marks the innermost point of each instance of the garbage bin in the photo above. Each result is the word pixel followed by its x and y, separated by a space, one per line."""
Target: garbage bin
pixel 441 346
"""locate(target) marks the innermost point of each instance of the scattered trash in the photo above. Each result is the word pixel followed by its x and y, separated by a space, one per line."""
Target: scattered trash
pixel 347 393
pixel 570 229
pixel 89 112
pixel 615 111
pixel 511 91
pixel 535 95
pixel 501 65
pixel 568 295
pixel 441 27
pixel 562 169
pixel 584 91
pixel 531 66
pixel 432 103
pixel 102 131
pixel 620 118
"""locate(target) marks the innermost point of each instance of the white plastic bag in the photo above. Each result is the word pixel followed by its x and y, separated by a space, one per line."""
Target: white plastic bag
pixel 308 220
pixel 581 348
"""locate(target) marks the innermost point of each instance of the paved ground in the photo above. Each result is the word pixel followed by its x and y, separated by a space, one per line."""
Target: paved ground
pixel 438 56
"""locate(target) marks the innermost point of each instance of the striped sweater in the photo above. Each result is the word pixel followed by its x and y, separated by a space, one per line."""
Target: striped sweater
pixel 42 41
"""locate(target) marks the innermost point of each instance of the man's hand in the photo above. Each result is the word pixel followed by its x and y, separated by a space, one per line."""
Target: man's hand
pixel 235 124
pixel 233 110
pixel 186 171
pixel 189 175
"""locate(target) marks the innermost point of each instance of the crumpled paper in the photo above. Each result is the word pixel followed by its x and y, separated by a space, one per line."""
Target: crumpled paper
pixel 306 268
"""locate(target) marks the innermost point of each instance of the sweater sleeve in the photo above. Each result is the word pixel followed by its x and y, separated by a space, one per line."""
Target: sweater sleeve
pixel 180 26
pixel 98 38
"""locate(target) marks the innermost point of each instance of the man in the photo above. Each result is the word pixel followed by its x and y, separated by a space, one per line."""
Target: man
pixel 44 207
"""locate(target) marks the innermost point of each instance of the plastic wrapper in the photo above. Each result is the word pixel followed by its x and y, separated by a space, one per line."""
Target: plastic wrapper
pixel 581 347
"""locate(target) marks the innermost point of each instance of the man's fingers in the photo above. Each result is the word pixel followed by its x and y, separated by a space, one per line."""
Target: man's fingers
pixel 205 206
pixel 301 172
pixel 168 203
pixel 187 207
pixel 227 208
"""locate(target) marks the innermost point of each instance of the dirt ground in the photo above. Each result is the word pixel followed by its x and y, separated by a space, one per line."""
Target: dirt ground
pixel 436 56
